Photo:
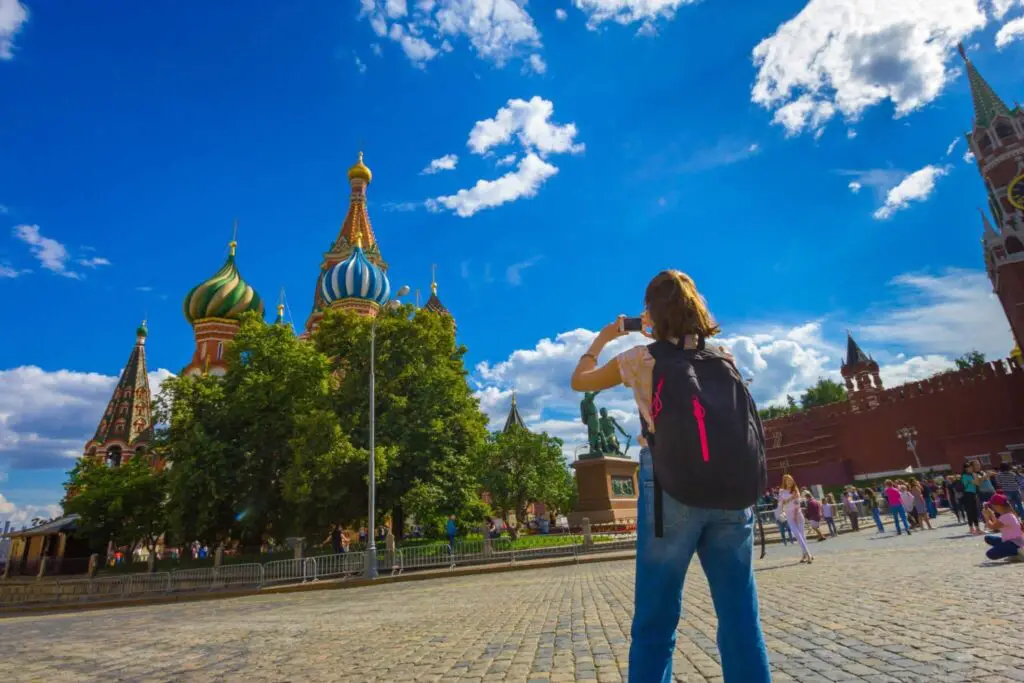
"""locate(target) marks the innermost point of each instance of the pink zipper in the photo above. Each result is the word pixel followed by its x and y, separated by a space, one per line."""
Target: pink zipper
pixel 656 400
pixel 698 413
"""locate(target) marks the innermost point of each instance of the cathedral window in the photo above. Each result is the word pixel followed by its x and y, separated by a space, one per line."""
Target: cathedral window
pixel 1013 245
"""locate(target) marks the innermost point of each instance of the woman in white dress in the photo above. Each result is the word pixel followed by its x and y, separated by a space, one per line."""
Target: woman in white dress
pixel 789 504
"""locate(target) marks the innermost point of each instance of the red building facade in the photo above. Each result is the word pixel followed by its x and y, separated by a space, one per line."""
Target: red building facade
pixel 938 423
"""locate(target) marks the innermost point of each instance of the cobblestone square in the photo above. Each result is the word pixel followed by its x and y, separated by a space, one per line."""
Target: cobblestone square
pixel 871 608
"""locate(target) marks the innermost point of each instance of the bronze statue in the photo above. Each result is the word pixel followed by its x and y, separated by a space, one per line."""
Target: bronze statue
pixel 588 415
pixel 608 427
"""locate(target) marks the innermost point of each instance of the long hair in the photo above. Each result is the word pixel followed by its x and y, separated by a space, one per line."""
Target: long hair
pixel 789 484
pixel 675 307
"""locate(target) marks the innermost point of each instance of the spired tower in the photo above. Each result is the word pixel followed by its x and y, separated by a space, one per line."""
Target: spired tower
pixel 434 304
pixel 352 275
pixel 997 141
pixel 861 373
pixel 514 419
pixel 213 308
pixel 126 428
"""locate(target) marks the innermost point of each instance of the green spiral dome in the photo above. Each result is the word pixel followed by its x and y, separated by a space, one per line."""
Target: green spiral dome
pixel 225 295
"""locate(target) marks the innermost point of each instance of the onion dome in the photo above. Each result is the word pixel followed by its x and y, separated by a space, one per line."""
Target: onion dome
pixel 225 295
pixel 360 171
pixel 355 278
pixel 141 332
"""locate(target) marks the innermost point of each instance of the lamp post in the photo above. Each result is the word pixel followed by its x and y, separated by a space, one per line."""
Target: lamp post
pixel 909 434
pixel 371 517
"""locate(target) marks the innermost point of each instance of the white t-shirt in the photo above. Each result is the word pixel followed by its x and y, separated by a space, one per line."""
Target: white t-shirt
pixel 789 504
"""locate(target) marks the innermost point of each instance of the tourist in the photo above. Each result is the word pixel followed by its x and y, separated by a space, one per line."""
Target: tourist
pixel 850 505
pixel 1008 484
pixel 722 539
pixel 876 514
pixel 969 497
pixel 907 499
pixel 986 487
pixel 950 486
pixel 334 538
pixel 814 514
pixel 999 516
pixel 828 511
pixel 789 507
pixel 895 500
pixel 782 521
pixel 451 529
pixel 920 506
pixel 930 493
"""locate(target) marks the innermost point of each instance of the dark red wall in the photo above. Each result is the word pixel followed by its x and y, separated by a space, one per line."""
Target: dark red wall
pixel 957 415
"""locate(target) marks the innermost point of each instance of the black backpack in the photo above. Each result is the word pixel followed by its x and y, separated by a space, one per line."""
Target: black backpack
pixel 707 445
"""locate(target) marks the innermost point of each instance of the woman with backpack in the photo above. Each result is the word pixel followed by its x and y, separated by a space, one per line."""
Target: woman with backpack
pixel 969 498
pixel 710 473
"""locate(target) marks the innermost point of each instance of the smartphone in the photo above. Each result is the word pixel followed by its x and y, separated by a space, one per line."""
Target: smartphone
pixel 632 324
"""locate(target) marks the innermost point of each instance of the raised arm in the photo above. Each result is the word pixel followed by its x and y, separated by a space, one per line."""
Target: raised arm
pixel 589 376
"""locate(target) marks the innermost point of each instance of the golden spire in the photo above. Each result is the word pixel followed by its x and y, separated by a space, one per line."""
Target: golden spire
pixel 360 171
pixel 433 279
pixel 234 238
pixel 357 235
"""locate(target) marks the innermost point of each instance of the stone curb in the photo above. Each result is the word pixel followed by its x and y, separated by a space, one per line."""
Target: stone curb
pixel 329 584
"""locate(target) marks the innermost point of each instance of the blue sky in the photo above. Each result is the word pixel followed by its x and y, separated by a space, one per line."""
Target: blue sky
pixel 614 138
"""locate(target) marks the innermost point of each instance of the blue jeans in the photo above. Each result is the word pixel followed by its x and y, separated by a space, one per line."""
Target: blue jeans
pixel 784 531
pixel 878 519
pixel 1000 549
pixel 898 513
pixel 724 542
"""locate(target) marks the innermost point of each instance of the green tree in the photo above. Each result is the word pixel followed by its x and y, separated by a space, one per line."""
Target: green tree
pixel 826 391
pixel 426 415
pixel 519 467
pixel 774 412
pixel 971 359
pixel 123 504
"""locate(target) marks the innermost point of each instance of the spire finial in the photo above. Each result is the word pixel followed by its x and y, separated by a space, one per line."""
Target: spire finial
pixel 433 279
pixel 234 237
pixel 280 306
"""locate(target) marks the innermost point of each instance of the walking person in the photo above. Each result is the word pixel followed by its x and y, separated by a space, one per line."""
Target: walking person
pixel 1009 485
pixel 999 516
pixel 829 511
pixel 950 485
pixel 451 530
pixel 334 538
pixel 907 498
pixel 920 506
pixel 815 511
pixel 850 505
pixel 789 504
pixel 783 523
pixel 702 500
pixel 970 497
pixel 895 500
pixel 876 514
pixel 986 487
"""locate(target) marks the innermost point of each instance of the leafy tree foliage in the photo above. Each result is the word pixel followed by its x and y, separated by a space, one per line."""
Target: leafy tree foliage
pixel 519 467
pixel 773 412
pixel 971 359
pixel 426 416
pixel 124 504
pixel 826 391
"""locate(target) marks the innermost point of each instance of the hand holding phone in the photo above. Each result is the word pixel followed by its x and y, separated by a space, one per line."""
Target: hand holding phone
pixel 631 324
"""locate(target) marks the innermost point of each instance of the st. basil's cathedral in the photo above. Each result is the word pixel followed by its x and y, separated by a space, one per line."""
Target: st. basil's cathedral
pixel 353 276
pixel 931 425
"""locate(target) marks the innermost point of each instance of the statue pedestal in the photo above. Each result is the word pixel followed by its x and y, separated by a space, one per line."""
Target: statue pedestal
pixel 608 488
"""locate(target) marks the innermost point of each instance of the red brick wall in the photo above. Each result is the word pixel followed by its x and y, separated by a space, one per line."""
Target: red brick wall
pixel 956 415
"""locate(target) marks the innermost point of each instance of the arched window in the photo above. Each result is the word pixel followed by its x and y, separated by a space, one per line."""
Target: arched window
pixel 1004 130
pixel 114 456
pixel 220 350
pixel 983 141
pixel 1013 245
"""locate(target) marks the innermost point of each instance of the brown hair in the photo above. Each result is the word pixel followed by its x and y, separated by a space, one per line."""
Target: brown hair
pixel 676 309
pixel 789 484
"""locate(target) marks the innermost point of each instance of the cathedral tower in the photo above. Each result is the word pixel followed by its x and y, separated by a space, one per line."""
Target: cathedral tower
pixel 434 303
pixel 997 141
pixel 356 234
pixel 126 428
pixel 861 374
pixel 213 308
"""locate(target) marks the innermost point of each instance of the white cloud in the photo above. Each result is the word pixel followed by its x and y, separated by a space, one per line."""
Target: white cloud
pixel 630 11
pixel 377 49
pixel 1010 32
pixel 878 180
pixel 530 121
pixel 935 319
pixel 514 273
pixel 46 418
pixel 969 157
pixel 22 515
pixel 93 262
pixel 13 16
pixel 360 65
pixel 952 146
pixel 849 55
pixel 916 187
pixel 537 64
pixel 561 14
pixel 524 182
pixel 506 160
pixel 445 163
pixel 49 252
pixel 850 133
pixel 854 186
pixel 400 207
pixel 9 271
pixel 497 30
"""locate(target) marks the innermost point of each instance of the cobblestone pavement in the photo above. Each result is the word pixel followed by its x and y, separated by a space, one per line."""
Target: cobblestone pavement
pixel 871 608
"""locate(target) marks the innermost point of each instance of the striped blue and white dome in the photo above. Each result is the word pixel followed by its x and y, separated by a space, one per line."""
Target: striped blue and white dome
pixel 355 278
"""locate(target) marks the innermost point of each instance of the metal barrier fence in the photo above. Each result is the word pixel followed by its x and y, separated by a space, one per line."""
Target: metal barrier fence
pixel 304 570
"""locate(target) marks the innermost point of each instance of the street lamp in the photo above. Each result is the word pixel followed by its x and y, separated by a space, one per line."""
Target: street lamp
pixel 371 522
pixel 909 434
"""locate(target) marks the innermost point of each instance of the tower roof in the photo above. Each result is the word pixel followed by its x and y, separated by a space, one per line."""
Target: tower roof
pixel 434 303
pixel 854 356
pixel 357 220
pixel 224 295
pixel 126 421
pixel 514 419
pixel 987 105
